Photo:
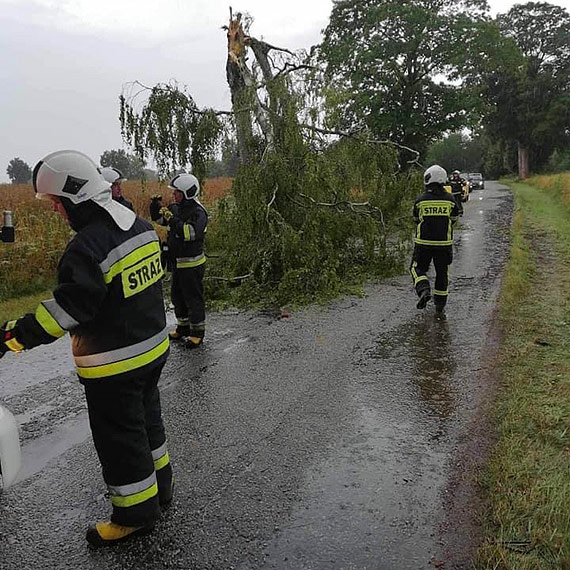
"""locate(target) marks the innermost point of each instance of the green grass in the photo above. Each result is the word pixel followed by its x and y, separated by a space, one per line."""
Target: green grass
pixel 15 308
pixel 528 478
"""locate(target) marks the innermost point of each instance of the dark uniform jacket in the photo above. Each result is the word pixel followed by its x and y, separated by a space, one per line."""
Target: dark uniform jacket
pixel 124 202
pixel 186 231
pixel 435 215
pixel 109 298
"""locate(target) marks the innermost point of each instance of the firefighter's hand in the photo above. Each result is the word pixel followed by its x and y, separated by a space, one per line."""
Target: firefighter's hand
pixel 166 214
pixel 8 341
pixel 156 197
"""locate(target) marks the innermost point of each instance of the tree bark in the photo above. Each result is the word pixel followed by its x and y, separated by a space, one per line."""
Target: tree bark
pixel 243 89
pixel 524 169
pixel 238 88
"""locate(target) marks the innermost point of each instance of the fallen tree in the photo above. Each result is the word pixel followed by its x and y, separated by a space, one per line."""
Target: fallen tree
pixel 311 208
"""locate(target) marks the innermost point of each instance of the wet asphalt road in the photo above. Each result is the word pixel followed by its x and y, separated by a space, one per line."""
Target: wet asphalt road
pixel 326 440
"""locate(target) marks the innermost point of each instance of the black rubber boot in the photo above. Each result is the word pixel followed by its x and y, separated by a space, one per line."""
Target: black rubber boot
pixel 195 338
pixel 425 296
pixel 179 333
pixel 165 498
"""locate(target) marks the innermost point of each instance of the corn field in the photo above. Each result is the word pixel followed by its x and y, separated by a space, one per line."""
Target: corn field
pixel 29 264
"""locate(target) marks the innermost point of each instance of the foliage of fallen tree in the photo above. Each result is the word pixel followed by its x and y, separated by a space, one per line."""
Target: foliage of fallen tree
pixel 311 210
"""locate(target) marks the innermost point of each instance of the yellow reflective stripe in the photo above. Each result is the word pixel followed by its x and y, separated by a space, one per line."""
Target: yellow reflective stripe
pixel 413 271
pixel 124 365
pixel 442 293
pixel 47 322
pixel 188 232
pixel 186 264
pixel 14 345
pixel 162 462
pixel 131 259
pixel 434 203
pixel 136 498
pixel 428 242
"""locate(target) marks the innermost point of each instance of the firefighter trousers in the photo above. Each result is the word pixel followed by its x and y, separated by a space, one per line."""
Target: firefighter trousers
pixel 442 256
pixel 187 294
pixel 126 424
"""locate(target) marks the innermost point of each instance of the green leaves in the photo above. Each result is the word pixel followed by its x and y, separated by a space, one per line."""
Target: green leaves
pixel 528 94
pixel 18 171
pixel 169 128
pixel 390 56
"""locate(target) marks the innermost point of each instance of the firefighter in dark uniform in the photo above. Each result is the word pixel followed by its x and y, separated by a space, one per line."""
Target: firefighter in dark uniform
pixel 115 178
pixel 186 219
pixel 435 212
pixel 109 298
pixel 457 183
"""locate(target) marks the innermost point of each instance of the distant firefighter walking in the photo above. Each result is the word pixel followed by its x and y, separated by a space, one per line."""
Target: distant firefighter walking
pixel 435 213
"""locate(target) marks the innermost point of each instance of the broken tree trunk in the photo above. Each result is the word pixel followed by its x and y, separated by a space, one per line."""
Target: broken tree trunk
pixel 243 89
pixel 238 88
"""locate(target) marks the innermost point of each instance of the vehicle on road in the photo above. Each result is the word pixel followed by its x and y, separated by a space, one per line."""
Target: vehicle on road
pixel 476 181
pixel 10 454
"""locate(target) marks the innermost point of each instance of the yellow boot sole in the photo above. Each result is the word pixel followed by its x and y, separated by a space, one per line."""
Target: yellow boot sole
pixel 109 533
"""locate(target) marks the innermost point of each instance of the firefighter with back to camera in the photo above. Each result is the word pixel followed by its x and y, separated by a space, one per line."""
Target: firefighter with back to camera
pixel 435 213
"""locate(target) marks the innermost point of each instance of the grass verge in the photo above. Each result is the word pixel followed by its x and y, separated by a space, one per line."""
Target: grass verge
pixel 527 523
pixel 15 308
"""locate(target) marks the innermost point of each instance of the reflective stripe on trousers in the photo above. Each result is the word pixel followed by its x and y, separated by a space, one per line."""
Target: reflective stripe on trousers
pixel 187 262
pixel 124 359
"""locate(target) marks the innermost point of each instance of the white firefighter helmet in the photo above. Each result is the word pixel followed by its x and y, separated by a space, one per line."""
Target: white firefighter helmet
pixel 456 172
pixel 435 174
pixel 187 184
pixel 73 175
pixel 112 175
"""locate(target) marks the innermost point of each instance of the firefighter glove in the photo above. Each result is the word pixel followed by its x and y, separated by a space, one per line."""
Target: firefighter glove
pixel 166 214
pixel 8 340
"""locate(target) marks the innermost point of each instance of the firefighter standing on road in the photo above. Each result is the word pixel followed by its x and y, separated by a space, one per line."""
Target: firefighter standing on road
pixel 457 184
pixel 109 298
pixel 115 178
pixel 435 212
pixel 186 219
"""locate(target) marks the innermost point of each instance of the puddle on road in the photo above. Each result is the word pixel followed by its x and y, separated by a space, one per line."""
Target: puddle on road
pixel 429 345
pixel 37 454
pixel 21 371
pixel 381 486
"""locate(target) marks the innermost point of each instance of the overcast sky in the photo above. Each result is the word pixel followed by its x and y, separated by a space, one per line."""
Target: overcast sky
pixel 63 62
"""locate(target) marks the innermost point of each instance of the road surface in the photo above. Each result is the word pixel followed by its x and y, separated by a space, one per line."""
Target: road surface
pixel 330 439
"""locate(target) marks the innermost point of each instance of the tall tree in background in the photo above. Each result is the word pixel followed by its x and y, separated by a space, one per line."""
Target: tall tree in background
pixel 457 151
pixel 530 103
pixel 19 171
pixel 385 63
pixel 130 165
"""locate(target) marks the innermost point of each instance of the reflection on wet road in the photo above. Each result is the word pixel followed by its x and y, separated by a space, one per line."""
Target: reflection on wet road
pixel 321 441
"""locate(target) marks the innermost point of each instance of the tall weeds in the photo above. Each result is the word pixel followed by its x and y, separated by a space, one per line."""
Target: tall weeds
pixel 28 265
